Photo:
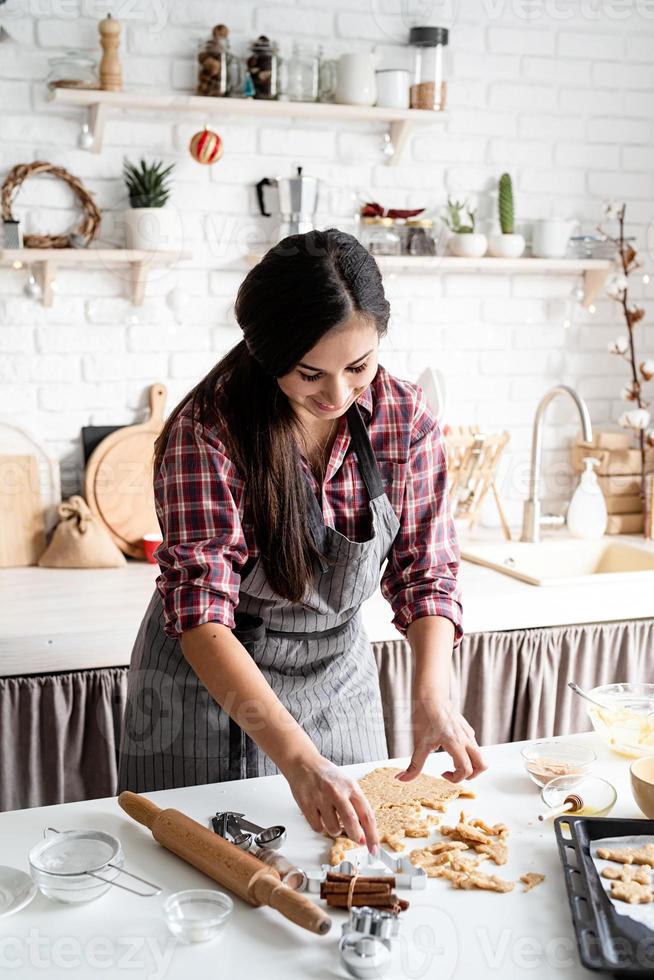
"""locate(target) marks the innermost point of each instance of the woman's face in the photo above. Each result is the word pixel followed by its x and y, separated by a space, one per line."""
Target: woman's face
pixel 333 374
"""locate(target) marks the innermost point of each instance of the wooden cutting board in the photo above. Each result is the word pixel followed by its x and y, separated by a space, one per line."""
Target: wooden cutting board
pixel 15 440
pixel 22 527
pixel 118 482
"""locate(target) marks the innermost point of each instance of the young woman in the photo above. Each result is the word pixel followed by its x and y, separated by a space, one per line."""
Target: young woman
pixel 283 482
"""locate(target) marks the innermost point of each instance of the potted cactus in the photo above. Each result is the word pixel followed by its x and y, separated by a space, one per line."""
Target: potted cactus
pixel 149 224
pixel 507 244
pixel 464 240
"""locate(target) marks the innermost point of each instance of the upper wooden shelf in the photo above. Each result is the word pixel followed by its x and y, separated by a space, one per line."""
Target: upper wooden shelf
pixel 594 271
pixel 47 260
pixel 99 103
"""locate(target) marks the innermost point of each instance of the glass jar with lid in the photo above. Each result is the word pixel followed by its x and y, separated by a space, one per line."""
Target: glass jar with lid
pixel 420 237
pixel 380 236
pixel 74 69
pixel 263 65
pixel 215 64
pixel 430 67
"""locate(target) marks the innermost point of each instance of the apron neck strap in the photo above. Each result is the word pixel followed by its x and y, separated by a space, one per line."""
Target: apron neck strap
pixel 365 455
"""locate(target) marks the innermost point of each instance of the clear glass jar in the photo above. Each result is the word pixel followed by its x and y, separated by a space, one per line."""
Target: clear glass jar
pixel 420 237
pixel 301 74
pixel 215 64
pixel 430 67
pixel 263 65
pixel 380 236
pixel 74 69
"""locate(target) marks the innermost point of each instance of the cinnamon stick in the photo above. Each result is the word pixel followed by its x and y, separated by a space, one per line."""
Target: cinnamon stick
pixel 376 879
pixel 342 888
pixel 374 901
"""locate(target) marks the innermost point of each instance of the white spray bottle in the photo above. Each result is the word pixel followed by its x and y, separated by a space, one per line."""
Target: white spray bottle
pixel 587 511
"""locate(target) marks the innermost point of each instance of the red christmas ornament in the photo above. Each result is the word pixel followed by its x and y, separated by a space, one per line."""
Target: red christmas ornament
pixel 206 146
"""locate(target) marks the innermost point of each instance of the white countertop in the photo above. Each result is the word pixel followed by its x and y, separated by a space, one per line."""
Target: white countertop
pixel 448 934
pixel 70 619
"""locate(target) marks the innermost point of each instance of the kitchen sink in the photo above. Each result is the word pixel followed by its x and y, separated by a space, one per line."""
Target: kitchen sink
pixel 564 561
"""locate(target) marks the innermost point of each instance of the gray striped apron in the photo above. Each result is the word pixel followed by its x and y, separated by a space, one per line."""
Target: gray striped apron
pixel 315 655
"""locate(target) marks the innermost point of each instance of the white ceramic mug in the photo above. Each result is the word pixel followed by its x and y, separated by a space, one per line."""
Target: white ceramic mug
pixel 355 79
pixel 550 237
pixel 393 87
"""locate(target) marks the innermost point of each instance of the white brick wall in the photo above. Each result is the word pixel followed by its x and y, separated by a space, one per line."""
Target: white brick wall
pixel 559 94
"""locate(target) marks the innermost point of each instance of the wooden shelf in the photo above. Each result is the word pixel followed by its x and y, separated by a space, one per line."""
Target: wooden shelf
pixel 48 260
pixel 99 104
pixel 594 271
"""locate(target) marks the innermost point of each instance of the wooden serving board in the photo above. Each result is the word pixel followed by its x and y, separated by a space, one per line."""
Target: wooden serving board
pixel 118 483
pixel 22 528
pixel 17 441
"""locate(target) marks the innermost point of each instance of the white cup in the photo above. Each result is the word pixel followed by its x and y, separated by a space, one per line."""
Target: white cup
pixel 393 88
pixel 550 237
pixel 355 79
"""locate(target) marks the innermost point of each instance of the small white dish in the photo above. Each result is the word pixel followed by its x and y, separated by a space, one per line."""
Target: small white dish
pixel 16 890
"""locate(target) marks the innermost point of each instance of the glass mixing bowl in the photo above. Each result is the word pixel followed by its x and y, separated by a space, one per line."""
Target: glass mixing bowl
pixel 59 864
pixel 550 758
pixel 626 720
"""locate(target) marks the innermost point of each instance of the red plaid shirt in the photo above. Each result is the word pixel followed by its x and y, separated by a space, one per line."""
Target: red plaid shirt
pixel 207 539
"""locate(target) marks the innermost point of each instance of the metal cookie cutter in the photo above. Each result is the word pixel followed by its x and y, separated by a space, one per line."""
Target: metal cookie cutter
pixel 365 944
pixel 406 875
pixel 234 827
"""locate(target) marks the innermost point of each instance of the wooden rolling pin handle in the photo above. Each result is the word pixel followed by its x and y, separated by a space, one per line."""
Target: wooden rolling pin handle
pixel 141 809
pixel 299 909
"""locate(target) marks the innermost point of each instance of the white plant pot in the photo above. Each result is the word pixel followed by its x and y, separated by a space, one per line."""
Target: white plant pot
pixel 151 229
pixel 470 246
pixel 506 246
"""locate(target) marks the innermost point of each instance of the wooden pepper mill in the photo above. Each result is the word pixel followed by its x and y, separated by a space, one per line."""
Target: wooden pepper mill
pixel 111 74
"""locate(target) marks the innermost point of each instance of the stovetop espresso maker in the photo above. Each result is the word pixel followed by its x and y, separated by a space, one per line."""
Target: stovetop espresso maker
pixel 297 202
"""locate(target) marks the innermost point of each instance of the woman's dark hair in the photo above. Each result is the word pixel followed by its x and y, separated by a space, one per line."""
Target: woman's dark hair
pixel 302 288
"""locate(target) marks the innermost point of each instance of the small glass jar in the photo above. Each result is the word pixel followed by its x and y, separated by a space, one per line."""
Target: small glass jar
pixel 263 65
pixel 430 68
pixel 301 75
pixel 420 237
pixel 74 69
pixel 215 64
pixel 380 236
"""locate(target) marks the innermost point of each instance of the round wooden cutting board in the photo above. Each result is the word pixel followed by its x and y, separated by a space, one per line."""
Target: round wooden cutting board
pixel 118 484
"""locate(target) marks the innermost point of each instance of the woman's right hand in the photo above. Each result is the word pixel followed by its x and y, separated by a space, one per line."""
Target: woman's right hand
pixel 331 802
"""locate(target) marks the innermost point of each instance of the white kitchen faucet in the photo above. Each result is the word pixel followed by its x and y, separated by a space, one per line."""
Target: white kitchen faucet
pixel 533 519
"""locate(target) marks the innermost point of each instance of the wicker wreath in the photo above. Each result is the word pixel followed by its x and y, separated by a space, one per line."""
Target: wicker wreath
pixel 80 236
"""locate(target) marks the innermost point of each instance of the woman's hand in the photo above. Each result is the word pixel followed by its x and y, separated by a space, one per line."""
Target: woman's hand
pixel 331 802
pixel 438 725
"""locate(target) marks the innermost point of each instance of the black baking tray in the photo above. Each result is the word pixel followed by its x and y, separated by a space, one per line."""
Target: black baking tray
pixel 607 941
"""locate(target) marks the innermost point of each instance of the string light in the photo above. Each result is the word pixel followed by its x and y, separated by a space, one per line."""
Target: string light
pixel 646 278
pixel 567 324
pixel 592 309
pixel 17 264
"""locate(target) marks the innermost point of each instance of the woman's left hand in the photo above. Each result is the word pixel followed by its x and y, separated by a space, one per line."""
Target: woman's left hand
pixel 438 725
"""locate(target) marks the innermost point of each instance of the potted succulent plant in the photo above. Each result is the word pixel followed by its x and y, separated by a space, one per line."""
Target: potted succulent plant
pixel 464 240
pixel 507 244
pixel 149 224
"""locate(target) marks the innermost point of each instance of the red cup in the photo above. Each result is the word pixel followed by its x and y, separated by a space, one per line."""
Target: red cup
pixel 150 544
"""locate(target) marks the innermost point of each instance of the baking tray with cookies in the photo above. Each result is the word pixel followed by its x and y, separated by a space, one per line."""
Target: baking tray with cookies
pixel 608 864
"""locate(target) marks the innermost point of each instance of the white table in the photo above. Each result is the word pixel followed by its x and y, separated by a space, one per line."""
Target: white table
pixel 445 933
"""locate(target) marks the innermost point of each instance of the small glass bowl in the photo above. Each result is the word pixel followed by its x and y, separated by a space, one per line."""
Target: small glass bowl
pixel 546 760
pixel 198 914
pixel 597 794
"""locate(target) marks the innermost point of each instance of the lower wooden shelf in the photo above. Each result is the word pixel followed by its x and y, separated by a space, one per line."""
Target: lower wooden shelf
pixel 46 261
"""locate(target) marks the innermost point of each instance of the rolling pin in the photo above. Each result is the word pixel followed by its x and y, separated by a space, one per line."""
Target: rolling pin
pixel 239 871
